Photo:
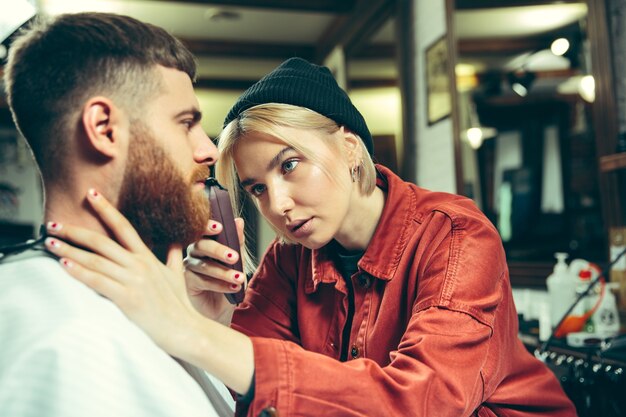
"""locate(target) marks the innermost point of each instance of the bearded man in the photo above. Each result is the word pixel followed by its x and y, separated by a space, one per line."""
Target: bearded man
pixel 103 101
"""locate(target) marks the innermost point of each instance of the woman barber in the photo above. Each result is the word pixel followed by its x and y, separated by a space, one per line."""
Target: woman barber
pixel 377 298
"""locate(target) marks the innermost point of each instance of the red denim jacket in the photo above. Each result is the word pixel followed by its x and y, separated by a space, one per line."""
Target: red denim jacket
pixel 433 325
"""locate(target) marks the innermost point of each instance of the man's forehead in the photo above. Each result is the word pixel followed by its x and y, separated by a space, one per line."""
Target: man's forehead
pixel 174 79
pixel 177 90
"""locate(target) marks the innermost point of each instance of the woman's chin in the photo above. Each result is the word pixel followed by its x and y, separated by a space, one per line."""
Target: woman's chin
pixel 314 245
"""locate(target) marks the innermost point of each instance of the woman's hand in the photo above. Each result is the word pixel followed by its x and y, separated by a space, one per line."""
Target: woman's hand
pixel 125 271
pixel 208 276
pixel 151 294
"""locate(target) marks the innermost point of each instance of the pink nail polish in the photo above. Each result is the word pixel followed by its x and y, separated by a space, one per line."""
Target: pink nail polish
pixel 237 276
pixel 234 286
pixel 93 193
pixel 229 255
pixel 214 226
pixel 66 263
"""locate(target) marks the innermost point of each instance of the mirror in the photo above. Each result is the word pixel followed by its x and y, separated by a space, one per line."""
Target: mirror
pixel 372 83
pixel 524 98
pixel 373 87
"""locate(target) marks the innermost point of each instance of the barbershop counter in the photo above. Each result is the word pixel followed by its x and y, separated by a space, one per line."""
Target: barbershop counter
pixel 592 376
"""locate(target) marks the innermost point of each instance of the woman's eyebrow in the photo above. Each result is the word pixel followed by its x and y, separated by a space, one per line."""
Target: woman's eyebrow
pixel 278 157
pixel 271 165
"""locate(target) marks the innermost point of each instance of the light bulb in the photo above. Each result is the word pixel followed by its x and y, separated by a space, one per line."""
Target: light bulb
pixel 587 88
pixel 560 46
pixel 519 89
pixel 474 137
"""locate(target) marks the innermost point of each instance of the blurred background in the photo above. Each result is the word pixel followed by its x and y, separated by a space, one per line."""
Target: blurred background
pixel 523 75
pixel 517 104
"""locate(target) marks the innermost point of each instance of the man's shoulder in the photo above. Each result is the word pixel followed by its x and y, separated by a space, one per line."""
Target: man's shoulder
pixel 38 284
pixel 55 329
pixel 42 304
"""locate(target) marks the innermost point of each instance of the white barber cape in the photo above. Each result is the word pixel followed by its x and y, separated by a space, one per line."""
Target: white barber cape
pixel 66 351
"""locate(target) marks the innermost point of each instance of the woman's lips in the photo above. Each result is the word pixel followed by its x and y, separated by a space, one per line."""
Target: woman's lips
pixel 302 230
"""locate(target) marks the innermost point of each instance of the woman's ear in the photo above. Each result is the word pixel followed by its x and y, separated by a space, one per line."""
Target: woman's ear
pixel 352 146
pixel 101 124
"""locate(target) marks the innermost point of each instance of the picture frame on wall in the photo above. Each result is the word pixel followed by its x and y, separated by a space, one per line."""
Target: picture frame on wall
pixel 438 94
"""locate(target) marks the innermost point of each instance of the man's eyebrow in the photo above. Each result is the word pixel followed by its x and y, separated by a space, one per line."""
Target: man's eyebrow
pixel 271 165
pixel 194 112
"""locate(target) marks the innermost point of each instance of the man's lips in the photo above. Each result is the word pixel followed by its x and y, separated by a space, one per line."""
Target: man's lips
pixel 198 180
pixel 200 175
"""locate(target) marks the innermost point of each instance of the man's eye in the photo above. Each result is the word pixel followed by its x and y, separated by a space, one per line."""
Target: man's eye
pixel 290 165
pixel 190 123
pixel 257 189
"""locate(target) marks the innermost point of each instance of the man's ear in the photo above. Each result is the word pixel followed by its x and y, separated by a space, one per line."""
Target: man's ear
pixel 101 122
pixel 352 146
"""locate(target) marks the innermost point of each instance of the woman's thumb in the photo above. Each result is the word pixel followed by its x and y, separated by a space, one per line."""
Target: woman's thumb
pixel 175 258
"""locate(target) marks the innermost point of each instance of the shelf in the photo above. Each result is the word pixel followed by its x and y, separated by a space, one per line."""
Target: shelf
pixel 613 162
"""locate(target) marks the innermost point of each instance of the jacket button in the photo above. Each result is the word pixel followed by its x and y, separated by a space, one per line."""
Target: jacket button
pixel 269 412
pixel 354 352
pixel 365 281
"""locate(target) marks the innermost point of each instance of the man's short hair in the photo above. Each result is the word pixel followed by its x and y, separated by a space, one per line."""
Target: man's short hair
pixel 55 65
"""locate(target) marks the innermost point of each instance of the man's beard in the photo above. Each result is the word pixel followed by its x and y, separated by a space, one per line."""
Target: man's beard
pixel 155 197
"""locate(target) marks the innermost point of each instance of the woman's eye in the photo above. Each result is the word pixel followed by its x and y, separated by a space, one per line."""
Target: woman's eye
pixel 257 190
pixel 290 165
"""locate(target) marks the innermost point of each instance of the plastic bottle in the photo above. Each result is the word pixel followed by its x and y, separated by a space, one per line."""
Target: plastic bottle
pixel 606 317
pixel 545 321
pixel 587 303
pixel 561 289
pixel 577 265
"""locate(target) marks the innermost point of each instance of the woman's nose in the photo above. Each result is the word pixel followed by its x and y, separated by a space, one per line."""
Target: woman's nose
pixel 280 200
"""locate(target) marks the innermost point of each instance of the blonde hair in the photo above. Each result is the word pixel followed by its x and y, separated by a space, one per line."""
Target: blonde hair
pixel 267 119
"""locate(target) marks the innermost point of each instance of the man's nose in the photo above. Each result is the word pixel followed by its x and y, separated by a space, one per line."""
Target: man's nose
pixel 204 152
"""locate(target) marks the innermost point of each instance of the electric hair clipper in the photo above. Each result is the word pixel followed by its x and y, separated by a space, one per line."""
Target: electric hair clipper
pixel 222 211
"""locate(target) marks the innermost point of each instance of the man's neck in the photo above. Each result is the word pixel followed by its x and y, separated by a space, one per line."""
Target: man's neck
pixel 71 207
pixel 66 207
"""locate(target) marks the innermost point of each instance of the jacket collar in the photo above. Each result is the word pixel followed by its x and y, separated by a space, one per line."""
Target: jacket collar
pixel 382 256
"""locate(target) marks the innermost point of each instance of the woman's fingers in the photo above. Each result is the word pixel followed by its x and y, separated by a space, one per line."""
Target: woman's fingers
pixel 208 270
pixel 213 228
pixel 175 258
pixel 102 284
pixel 198 284
pixel 240 224
pixel 121 228
pixel 209 248
pixel 89 239
pixel 90 261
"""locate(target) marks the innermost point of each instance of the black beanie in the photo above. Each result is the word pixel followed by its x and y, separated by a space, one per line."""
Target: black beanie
pixel 300 83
